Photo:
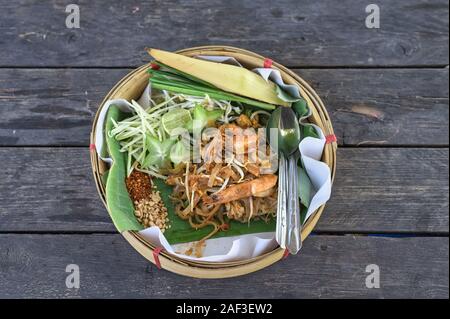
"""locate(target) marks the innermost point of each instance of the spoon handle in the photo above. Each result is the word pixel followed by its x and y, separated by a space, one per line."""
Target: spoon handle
pixel 281 228
pixel 293 238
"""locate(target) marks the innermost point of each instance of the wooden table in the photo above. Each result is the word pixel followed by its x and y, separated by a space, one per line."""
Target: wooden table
pixel 386 90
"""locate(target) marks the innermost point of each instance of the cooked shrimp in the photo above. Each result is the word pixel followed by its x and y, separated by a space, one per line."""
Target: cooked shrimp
pixel 244 121
pixel 256 187
pixel 244 140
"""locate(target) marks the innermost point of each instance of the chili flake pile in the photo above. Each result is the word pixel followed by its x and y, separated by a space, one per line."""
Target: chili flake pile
pixel 139 185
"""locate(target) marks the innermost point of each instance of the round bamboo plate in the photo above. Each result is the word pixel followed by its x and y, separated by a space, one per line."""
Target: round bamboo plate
pixel 132 86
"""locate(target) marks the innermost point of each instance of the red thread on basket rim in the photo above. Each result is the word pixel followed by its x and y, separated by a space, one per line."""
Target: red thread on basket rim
pixel 268 63
pixel 156 253
pixel 330 138
pixel 154 66
pixel 285 254
pixel 91 147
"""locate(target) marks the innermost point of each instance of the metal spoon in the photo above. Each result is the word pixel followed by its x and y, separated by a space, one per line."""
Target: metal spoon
pixel 288 211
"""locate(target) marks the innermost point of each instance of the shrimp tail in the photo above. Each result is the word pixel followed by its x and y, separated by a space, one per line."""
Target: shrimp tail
pixel 242 190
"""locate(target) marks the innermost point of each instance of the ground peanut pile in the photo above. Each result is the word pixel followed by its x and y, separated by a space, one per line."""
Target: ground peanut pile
pixel 152 212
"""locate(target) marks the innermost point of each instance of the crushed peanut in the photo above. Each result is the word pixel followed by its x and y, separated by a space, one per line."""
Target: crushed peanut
pixel 152 212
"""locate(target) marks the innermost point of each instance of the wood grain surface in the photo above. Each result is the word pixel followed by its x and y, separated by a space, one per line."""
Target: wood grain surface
pixel 33 266
pixel 367 107
pixel 307 33
pixel 376 190
pixel 386 91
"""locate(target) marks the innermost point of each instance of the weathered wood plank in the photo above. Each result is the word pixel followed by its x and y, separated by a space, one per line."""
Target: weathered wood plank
pixel 376 190
pixel 310 33
pixel 367 107
pixel 385 107
pixel 386 189
pixel 33 266
pixel 49 189
pixel 51 107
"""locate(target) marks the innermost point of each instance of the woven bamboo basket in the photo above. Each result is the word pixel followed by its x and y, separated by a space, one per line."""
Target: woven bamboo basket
pixel 132 86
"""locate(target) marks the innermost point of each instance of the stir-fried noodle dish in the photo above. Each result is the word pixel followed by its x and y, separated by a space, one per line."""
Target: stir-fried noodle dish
pixel 214 153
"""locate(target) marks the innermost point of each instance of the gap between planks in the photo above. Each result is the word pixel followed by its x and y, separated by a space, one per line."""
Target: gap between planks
pixel 348 146
pixel 390 234
pixel 313 67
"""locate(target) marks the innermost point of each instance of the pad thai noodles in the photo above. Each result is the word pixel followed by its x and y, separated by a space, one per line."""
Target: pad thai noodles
pixel 212 152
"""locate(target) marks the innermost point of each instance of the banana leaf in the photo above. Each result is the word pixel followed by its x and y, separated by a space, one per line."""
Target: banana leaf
pixel 302 110
pixel 119 203
pixel 175 81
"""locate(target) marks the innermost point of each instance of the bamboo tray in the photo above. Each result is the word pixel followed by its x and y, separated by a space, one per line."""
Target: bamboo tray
pixel 132 86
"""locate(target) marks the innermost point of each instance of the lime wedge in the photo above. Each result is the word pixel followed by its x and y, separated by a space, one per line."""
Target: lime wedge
pixel 175 119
